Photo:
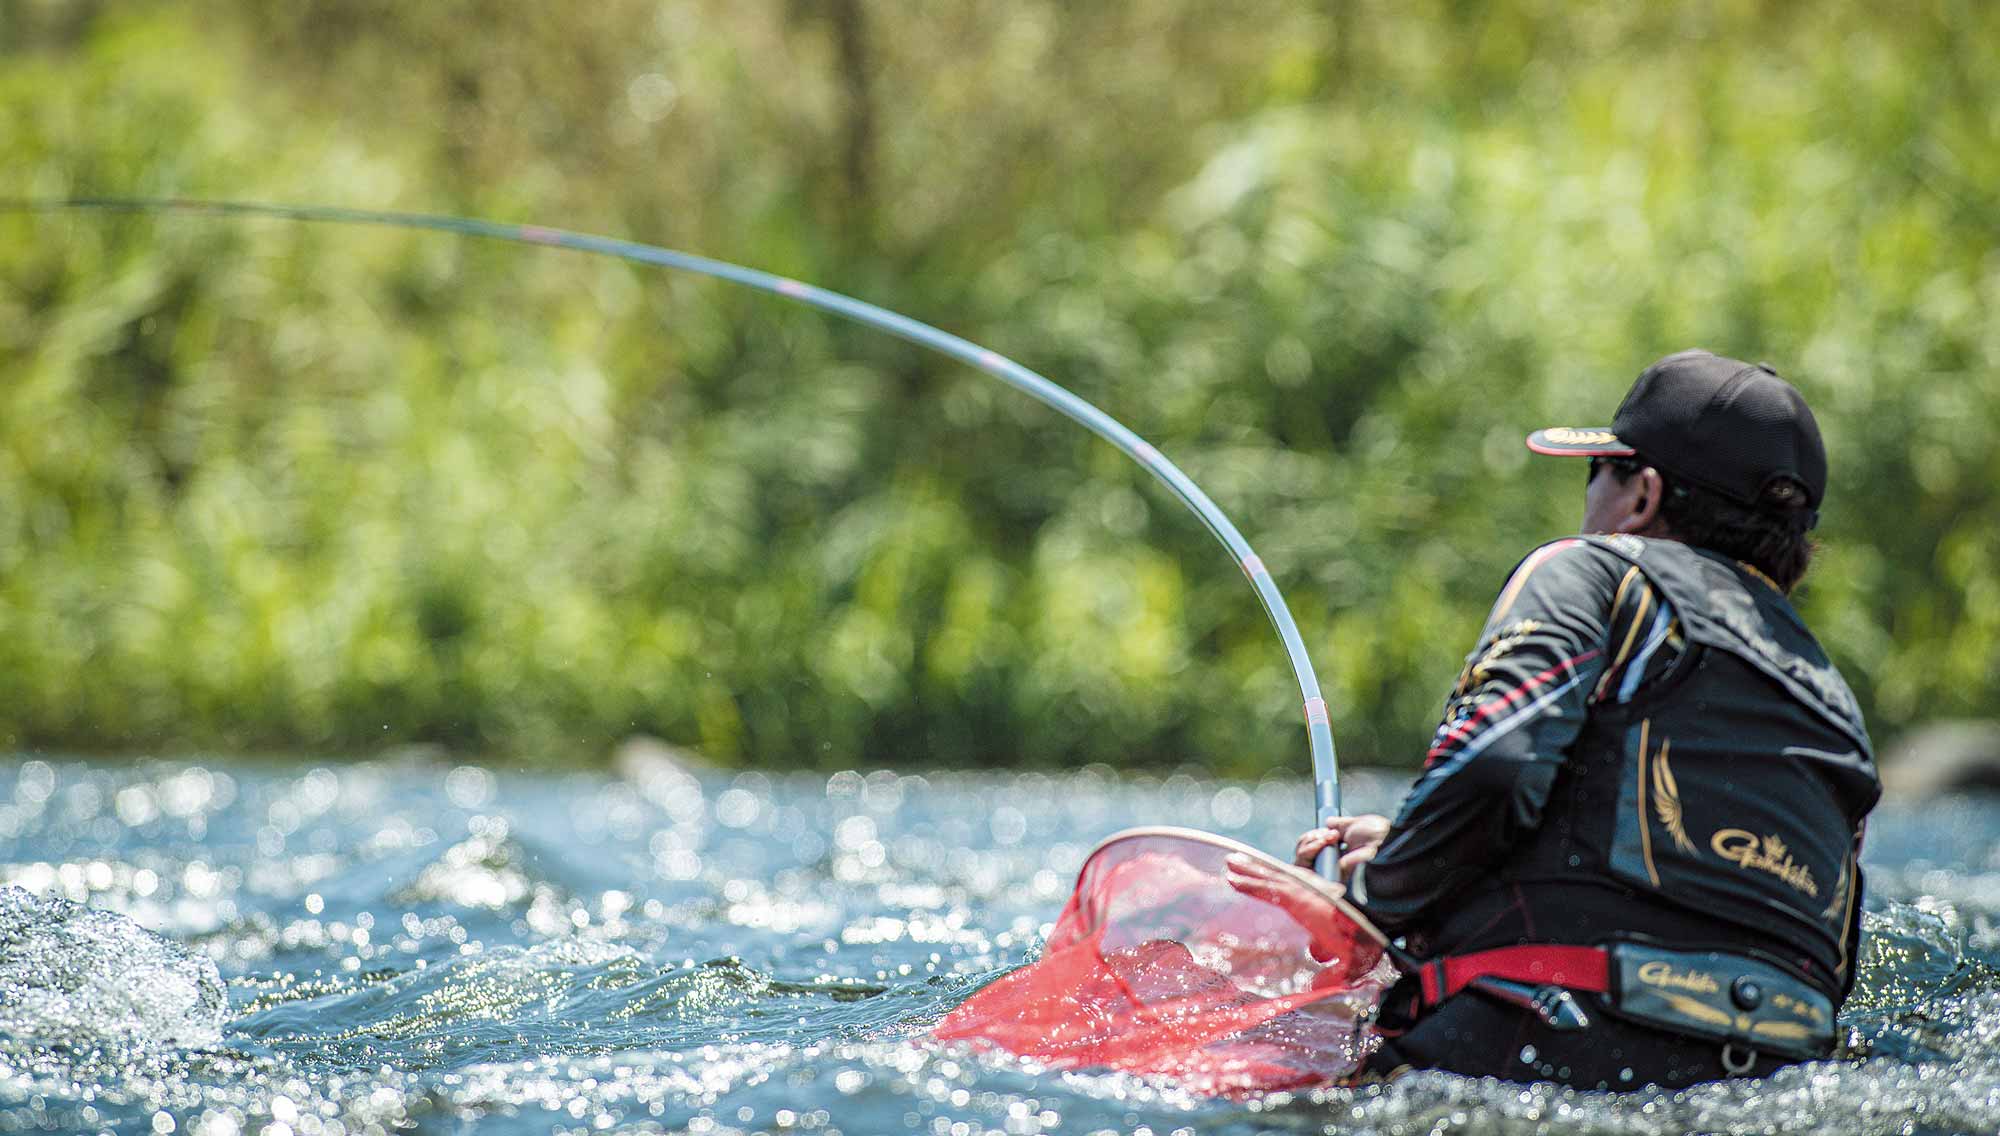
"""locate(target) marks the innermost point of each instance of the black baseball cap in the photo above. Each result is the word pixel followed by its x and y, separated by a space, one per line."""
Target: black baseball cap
pixel 1719 423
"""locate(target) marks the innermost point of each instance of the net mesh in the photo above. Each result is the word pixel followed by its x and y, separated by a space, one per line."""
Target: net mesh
pixel 1188 956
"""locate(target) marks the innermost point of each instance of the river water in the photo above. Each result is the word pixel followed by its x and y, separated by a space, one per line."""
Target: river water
pixel 411 945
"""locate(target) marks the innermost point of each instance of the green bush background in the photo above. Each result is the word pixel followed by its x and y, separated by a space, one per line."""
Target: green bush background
pixel 325 488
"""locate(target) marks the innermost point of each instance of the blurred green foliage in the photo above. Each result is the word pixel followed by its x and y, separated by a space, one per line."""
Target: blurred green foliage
pixel 279 486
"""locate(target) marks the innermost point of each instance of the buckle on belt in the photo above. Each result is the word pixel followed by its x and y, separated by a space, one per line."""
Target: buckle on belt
pixel 1533 977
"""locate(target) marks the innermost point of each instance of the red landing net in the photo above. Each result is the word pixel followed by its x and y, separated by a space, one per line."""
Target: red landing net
pixel 1190 956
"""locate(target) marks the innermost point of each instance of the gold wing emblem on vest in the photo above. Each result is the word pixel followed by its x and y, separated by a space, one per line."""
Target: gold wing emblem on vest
pixel 1667 799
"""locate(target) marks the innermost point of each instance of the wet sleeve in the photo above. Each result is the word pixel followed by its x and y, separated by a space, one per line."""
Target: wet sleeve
pixel 1507 729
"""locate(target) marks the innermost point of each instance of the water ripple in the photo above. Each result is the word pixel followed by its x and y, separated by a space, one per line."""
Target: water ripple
pixel 675 949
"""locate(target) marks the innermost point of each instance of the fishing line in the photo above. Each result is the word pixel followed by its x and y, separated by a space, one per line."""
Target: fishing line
pixel 1319 732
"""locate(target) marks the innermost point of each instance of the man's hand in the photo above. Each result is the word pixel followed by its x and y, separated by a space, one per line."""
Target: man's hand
pixel 1305 897
pixel 1362 835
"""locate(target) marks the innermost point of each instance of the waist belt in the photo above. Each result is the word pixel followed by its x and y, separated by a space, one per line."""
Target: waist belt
pixel 1740 999
pixel 1537 964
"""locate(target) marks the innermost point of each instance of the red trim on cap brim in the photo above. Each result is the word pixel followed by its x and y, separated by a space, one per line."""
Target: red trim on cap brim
pixel 1539 443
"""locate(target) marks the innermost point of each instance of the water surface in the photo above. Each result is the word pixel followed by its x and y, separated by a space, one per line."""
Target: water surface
pixel 409 945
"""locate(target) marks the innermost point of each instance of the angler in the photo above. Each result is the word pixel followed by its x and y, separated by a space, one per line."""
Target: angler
pixel 1645 801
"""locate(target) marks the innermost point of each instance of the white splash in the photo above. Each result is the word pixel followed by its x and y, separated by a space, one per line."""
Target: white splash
pixel 81 978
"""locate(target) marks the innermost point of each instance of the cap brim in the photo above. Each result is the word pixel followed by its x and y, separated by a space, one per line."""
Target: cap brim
pixel 1579 442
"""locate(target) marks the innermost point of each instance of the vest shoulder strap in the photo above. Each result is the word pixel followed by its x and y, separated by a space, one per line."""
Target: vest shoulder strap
pixel 1723 605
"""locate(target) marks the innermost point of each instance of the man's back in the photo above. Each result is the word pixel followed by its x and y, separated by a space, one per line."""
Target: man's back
pixel 1712 790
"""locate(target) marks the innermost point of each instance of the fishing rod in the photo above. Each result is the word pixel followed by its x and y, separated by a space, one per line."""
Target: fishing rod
pixel 1319 731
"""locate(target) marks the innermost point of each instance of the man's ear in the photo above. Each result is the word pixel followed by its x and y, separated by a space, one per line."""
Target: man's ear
pixel 1649 489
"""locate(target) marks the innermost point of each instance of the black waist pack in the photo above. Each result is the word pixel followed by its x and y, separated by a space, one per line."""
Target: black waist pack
pixel 1739 999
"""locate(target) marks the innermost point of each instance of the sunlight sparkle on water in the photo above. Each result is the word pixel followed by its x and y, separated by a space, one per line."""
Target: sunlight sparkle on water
pixel 678 949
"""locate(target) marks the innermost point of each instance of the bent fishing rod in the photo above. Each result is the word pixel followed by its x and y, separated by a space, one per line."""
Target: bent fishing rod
pixel 1552 1004
pixel 1319 731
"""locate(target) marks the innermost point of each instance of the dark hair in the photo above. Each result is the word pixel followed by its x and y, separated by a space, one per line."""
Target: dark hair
pixel 1772 536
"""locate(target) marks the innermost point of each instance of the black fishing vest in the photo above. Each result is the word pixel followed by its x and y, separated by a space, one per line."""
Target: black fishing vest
pixel 1732 789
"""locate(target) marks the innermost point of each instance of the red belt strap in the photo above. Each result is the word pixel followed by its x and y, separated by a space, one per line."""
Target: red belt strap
pixel 1537 964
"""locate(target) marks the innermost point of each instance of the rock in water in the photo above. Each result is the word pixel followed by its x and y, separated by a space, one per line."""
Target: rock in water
pixel 1951 756
pixel 72 976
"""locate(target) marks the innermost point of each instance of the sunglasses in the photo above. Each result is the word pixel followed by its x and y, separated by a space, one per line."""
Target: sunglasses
pixel 1626 467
